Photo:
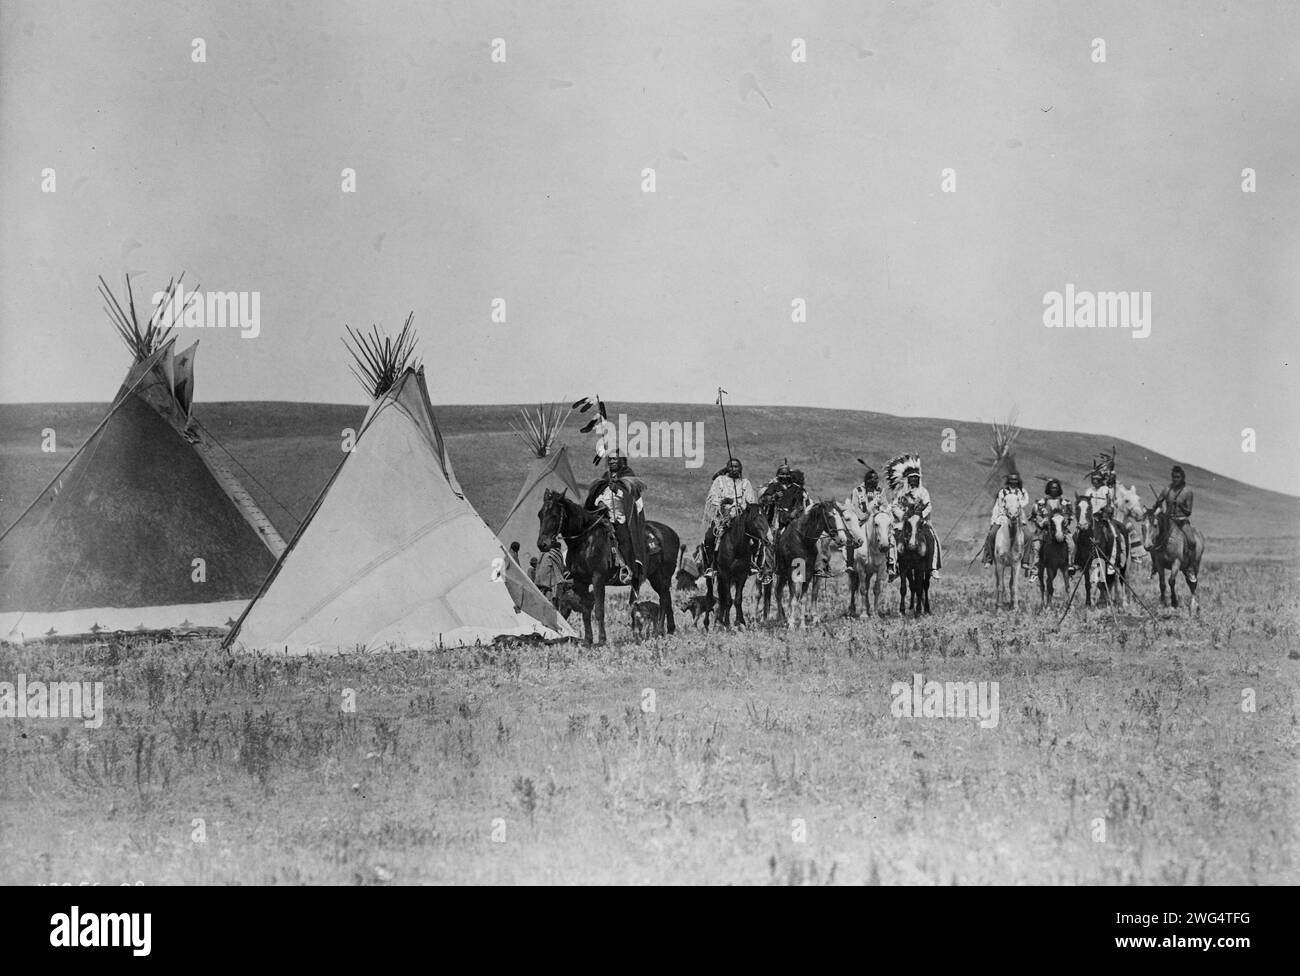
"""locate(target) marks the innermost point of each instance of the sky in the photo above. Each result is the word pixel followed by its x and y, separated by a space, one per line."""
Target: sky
pixel 775 179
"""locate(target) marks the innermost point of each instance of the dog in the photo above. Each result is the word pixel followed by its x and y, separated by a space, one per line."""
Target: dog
pixel 645 615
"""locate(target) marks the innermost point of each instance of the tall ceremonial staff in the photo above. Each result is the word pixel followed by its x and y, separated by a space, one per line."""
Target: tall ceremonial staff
pixel 735 497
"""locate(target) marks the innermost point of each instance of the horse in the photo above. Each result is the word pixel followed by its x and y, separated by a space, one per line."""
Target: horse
pixel 746 536
pixel 1130 513
pixel 1181 550
pixel 870 563
pixel 1097 541
pixel 797 553
pixel 780 504
pixel 590 557
pixel 914 557
pixel 1008 544
pixel 1053 557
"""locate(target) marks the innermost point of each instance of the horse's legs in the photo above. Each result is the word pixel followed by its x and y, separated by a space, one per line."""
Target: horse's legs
pixel 902 592
pixel 925 590
pixel 583 596
pixel 739 601
pixel 1174 568
pixel 663 590
pixel 852 575
pixel 598 607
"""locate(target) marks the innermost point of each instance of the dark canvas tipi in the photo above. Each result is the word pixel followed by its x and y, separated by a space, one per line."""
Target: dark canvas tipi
pixel 146 528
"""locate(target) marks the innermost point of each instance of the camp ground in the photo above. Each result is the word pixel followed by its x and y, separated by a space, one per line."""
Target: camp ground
pixel 147 528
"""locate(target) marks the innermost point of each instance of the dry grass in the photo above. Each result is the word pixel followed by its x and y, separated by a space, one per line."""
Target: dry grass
pixel 1140 724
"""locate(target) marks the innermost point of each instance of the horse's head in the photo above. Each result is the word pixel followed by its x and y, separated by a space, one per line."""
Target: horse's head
pixel 1154 525
pixel 825 518
pixel 1128 506
pixel 912 530
pixel 1057 523
pixel 757 525
pixel 1083 511
pixel 882 527
pixel 551 519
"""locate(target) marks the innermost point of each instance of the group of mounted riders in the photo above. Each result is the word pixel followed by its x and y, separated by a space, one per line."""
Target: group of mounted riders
pixel 902 514
pixel 1100 504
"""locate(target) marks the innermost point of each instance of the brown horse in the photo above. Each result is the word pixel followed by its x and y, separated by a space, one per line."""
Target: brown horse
pixel 590 561
pixel 1173 548
pixel 870 563
pixel 744 547
pixel 914 569
pixel 797 553
pixel 1053 557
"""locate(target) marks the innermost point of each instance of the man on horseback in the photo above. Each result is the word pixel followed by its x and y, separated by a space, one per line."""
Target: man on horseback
pixel 784 497
pixel 1175 502
pixel 1101 499
pixel 866 501
pixel 1100 494
pixel 1050 504
pixel 1010 503
pixel 729 495
pixel 618 494
pixel 914 497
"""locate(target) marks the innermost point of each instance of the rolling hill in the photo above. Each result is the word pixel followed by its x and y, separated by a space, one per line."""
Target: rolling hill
pixel 288 451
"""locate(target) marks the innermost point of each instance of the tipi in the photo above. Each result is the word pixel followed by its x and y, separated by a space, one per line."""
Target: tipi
pixel 145 528
pixel 549 468
pixel 391 554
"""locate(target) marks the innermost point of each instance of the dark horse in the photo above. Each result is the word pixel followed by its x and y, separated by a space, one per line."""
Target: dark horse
pixel 745 544
pixel 1100 553
pixel 797 553
pixel 914 557
pixel 1053 557
pixel 780 504
pixel 590 559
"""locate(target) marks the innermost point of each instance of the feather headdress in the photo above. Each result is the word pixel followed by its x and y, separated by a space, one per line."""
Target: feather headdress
pixel 898 470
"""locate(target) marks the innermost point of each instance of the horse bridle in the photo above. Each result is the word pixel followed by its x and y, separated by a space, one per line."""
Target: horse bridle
pixel 557 499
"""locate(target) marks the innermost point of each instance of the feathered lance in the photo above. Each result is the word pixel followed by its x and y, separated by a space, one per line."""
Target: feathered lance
pixel 735 496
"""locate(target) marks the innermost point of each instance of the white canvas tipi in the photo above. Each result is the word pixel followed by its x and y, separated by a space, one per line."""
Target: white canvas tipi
pixel 392 555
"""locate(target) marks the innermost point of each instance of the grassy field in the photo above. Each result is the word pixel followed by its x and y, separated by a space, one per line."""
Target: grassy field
pixel 768 757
